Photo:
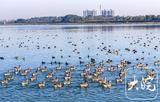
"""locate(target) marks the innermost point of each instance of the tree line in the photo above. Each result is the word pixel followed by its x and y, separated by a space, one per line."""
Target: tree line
pixel 91 19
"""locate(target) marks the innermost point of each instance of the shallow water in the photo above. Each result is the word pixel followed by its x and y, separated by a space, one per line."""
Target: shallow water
pixel 33 44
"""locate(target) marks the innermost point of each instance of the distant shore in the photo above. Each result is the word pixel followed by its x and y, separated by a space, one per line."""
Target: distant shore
pixel 75 19
pixel 109 23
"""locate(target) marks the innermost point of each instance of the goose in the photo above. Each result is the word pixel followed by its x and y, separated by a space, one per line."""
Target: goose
pixel 88 65
pixel 102 81
pixel 58 68
pixel 95 79
pixel 119 80
pixel 122 73
pixel 43 69
pixel 55 80
pixel 26 72
pixel 73 67
pixel 35 73
pixel 111 69
pixel 41 85
pixel 120 66
pixel 25 83
pixel 146 67
pixel 83 73
pixel 50 75
pixel 57 85
pixel 152 73
pixel 88 76
pixel 139 66
pixel 157 63
pixel 8 75
pixel 4 82
pixel 86 70
pixel 100 69
pixel 84 85
pixel 67 77
pixel 67 82
pixel 68 74
pixel 33 78
pixel 17 69
pixel 107 84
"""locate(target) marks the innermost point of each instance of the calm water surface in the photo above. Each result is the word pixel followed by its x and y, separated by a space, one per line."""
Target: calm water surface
pixel 34 44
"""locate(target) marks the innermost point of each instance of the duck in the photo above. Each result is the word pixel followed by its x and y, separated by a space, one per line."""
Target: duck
pixel 109 61
pixel 116 52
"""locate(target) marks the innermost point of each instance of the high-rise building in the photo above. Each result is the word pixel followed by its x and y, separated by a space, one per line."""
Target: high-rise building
pixel 89 13
pixel 107 13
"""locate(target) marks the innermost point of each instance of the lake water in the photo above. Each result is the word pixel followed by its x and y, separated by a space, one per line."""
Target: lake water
pixel 30 45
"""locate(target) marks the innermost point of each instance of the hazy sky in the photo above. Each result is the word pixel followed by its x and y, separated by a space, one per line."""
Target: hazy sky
pixel 12 9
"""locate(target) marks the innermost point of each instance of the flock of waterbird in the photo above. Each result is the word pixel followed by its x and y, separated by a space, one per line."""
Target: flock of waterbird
pixel 90 72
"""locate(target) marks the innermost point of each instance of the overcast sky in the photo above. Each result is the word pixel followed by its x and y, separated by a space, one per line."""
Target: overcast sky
pixel 12 9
